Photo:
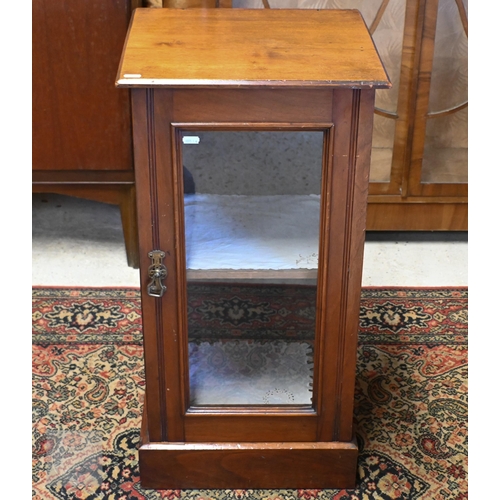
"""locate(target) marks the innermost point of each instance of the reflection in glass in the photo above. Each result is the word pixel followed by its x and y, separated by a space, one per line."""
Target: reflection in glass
pixel 383 144
pixel 446 152
pixel 446 141
pixel 386 23
pixel 252 210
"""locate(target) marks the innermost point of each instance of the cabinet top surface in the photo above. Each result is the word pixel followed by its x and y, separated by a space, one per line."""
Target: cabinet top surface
pixel 249 48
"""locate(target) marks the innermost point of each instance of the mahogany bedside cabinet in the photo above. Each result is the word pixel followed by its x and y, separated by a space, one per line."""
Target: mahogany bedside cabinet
pixel 252 135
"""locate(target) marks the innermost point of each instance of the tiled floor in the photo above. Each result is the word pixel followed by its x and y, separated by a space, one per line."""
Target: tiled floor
pixel 80 243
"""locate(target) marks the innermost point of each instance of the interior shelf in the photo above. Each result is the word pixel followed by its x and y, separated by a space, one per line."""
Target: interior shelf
pixel 252 237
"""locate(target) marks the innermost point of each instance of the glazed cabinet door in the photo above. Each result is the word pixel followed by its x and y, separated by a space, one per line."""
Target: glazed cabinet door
pixel 234 220
pixel 439 154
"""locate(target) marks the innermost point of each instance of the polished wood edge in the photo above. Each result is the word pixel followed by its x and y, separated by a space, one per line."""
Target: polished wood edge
pixel 417 217
pixel 140 107
pixel 281 465
pixel 200 4
pixel 115 194
pixel 415 200
pixel 144 432
pixel 264 274
pixel 350 235
pixel 82 177
pixel 322 279
pixel 296 445
pixel 252 126
pixel 254 410
pixel 248 84
pixel 156 243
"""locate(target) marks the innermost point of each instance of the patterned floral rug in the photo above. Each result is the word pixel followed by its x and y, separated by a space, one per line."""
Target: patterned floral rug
pixel 88 388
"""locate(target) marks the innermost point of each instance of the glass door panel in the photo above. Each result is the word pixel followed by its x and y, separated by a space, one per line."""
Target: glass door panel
pixel 386 24
pixel 252 218
pixel 446 151
pixel 445 158
pixel 383 147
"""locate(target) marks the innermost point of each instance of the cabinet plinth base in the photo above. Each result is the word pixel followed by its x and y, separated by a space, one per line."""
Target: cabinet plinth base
pixel 281 465
pixel 248 465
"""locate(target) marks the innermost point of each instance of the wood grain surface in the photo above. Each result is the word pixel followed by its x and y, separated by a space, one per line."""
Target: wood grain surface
pixel 227 47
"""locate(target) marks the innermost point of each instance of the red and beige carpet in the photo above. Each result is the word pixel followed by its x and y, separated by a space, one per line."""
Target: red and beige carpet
pixel 88 389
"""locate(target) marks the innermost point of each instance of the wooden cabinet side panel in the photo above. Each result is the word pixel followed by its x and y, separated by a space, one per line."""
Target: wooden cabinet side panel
pixel 363 103
pixel 80 121
pixel 347 188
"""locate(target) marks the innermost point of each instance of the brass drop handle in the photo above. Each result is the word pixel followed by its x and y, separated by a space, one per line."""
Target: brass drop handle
pixel 157 272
